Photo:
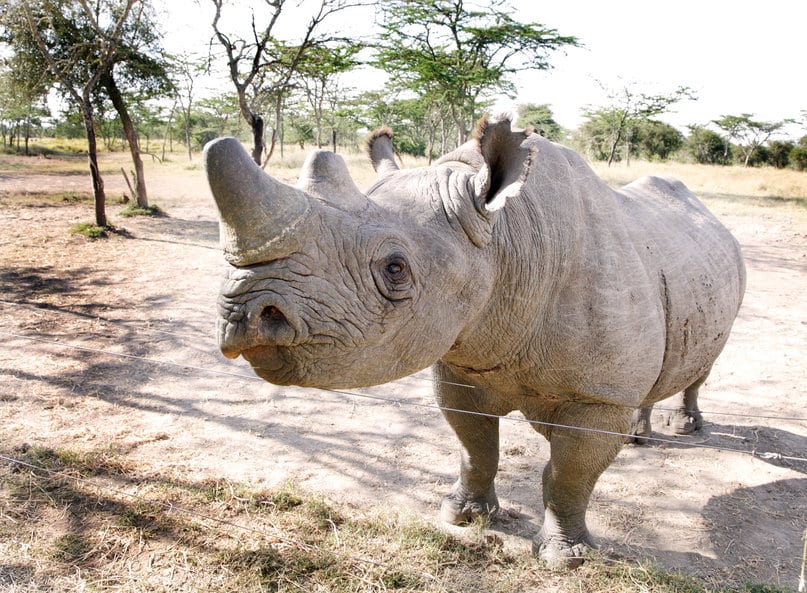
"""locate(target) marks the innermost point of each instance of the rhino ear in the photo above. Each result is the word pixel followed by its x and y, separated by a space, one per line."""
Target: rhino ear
pixel 325 176
pixel 508 160
pixel 379 146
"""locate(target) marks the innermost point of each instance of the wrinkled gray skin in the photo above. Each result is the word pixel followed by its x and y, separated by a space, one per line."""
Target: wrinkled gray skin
pixel 510 268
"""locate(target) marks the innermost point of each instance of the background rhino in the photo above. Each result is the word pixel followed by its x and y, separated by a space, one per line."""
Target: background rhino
pixel 510 267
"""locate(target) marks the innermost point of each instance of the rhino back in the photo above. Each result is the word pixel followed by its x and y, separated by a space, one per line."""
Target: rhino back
pixel 622 297
pixel 701 275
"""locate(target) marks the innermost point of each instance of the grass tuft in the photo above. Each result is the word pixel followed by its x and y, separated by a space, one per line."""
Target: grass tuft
pixel 134 210
pixel 94 232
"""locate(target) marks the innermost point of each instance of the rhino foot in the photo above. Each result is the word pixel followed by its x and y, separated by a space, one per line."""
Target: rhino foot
pixel 459 509
pixel 640 427
pixel 685 422
pixel 560 554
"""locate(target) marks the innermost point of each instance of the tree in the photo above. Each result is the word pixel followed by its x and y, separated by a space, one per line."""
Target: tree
pixel 455 55
pixel 51 27
pixel 705 146
pixel 21 107
pixel 798 155
pixel 319 71
pixel 779 153
pixel 751 134
pixel 262 68
pixel 136 64
pixel 657 140
pixel 183 71
pixel 540 119
pixel 626 109
pixel 731 126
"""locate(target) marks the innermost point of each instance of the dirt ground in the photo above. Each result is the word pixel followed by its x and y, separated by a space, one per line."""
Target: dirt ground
pixel 111 343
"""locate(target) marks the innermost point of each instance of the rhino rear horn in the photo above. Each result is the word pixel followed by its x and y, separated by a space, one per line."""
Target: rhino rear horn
pixel 325 176
pixel 258 214
pixel 379 145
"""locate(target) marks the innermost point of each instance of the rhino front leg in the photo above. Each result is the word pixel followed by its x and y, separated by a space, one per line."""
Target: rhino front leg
pixel 473 494
pixel 577 459
pixel 686 417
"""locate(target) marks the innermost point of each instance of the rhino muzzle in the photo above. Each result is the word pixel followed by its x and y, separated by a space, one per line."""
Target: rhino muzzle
pixel 264 325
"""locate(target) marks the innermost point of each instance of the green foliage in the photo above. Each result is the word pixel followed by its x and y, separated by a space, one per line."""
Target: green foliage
pixel 798 155
pixel 134 210
pixel 617 123
pixel 455 55
pixel 750 134
pixel 706 147
pixel 779 153
pixel 89 230
pixel 657 140
pixel 540 119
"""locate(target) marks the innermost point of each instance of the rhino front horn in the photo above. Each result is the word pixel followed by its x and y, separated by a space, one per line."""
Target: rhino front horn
pixel 257 214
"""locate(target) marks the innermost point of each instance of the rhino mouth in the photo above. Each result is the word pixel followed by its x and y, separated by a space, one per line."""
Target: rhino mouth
pixel 269 364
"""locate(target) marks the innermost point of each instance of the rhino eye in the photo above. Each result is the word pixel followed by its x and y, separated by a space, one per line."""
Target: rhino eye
pixel 393 277
pixel 397 270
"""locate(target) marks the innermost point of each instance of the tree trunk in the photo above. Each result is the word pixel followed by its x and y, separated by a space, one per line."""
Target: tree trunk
pixel 257 125
pixel 131 137
pixel 614 144
pixel 92 156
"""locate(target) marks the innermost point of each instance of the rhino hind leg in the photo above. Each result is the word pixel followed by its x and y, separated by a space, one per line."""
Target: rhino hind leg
pixel 577 459
pixel 685 417
pixel 641 427
pixel 473 494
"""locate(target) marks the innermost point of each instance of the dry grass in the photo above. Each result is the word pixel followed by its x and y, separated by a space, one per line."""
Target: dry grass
pixel 76 520
pixel 763 186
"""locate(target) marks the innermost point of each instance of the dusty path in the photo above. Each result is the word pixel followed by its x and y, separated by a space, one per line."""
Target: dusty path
pixel 175 403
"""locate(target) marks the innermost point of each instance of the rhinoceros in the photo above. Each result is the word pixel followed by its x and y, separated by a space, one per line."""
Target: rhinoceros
pixel 510 268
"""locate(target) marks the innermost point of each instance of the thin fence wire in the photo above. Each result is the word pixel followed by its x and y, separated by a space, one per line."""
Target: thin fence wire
pixel 767 455
pixel 279 537
pixel 149 326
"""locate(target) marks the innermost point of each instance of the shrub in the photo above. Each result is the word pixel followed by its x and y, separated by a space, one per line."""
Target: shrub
pixel 706 147
pixel 779 153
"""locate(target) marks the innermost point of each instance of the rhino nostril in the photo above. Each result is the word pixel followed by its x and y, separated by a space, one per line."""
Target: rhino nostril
pixel 273 315
pixel 276 326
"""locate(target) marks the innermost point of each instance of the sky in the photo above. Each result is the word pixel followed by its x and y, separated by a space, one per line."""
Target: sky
pixel 737 56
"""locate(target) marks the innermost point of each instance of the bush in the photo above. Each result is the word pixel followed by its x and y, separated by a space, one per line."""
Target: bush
pixel 706 147
pixel 798 157
pixel 779 153
pixel 657 140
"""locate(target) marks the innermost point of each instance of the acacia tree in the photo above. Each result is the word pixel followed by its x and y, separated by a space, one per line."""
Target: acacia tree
pixel 136 64
pixel 750 133
pixel 456 55
pixel 49 27
pixel 319 73
pixel 262 68
pixel 627 108
pixel 541 119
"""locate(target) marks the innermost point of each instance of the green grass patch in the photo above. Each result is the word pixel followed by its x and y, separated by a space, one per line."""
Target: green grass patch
pixel 90 230
pixel 135 210
pixel 94 232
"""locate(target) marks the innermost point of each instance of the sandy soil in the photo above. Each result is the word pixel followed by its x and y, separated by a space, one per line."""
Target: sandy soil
pixel 112 343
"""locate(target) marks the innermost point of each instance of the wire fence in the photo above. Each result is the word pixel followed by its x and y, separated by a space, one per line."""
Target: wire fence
pixel 353 395
pixel 767 455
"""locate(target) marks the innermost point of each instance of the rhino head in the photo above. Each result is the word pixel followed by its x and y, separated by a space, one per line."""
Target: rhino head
pixel 331 287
